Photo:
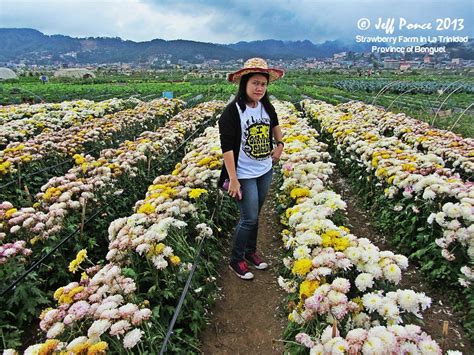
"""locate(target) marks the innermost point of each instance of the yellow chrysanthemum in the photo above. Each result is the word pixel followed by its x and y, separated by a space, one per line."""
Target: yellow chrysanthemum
pixel 204 161
pixel 291 211
pixel 302 267
pixel 69 297
pixel 80 348
pixel 58 293
pixel 74 265
pixel 341 244
pixel 79 159
pixel 9 212
pixel 299 192
pixel 159 248
pixel 48 347
pixel 4 167
pixel 307 288
pixel 98 348
pixel 195 193
pixel 146 208
pixel 175 260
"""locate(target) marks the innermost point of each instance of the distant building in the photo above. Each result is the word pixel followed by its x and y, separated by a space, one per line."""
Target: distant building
pixel 404 66
pixel 78 73
pixel 391 64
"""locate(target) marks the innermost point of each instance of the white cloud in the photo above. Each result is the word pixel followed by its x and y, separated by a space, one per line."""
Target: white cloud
pixel 219 21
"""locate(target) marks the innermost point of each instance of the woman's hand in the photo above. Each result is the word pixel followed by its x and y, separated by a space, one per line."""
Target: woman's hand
pixel 276 153
pixel 234 189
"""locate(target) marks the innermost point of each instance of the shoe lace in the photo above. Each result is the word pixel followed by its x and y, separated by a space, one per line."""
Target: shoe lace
pixel 255 258
pixel 243 266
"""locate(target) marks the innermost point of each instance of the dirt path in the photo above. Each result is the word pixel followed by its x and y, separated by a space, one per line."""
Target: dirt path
pixel 441 308
pixel 247 318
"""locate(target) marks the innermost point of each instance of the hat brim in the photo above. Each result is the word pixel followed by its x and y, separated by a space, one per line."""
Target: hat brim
pixel 274 74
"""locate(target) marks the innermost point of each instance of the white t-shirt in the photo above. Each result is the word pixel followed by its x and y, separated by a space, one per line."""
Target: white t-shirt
pixel 254 156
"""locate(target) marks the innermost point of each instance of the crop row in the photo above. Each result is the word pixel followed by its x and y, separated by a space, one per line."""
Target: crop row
pixel 67 114
pixel 341 288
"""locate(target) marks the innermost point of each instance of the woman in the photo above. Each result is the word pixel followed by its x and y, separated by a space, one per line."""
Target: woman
pixel 247 128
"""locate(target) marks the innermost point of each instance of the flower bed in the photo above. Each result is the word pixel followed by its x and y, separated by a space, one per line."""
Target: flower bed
pixel 19 160
pixel 53 117
pixel 91 185
pixel 341 289
pixel 456 151
pixel 128 303
pixel 426 207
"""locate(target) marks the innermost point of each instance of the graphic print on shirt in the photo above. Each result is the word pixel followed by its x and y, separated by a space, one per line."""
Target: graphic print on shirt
pixel 257 138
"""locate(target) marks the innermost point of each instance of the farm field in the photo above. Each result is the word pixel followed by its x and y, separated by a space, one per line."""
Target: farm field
pixel 418 94
pixel 114 235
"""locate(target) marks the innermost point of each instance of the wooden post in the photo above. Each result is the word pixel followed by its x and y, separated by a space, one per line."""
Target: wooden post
pixel 149 164
pixel 445 335
pixel 83 217
pixel 334 328
pixel 28 195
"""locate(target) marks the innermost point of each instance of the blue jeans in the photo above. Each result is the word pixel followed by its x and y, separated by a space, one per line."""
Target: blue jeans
pixel 254 192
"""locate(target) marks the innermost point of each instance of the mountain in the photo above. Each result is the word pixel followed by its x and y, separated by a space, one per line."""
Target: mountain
pixel 33 47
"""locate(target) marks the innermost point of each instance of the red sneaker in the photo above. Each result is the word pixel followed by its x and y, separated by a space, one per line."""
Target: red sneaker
pixel 256 261
pixel 241 269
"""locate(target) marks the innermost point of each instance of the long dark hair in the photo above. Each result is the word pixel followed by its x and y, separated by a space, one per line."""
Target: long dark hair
pixel 241 97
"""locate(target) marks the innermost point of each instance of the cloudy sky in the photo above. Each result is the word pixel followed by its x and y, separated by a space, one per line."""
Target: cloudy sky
pixel 232 21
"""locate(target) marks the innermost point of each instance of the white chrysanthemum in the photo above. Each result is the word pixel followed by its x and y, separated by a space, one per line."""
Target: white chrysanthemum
pixel 318 349
pixel 55 330
pixel 327 334
pixel 440 218
pixel 408 300
pixel 309 238
pixel 33 349
pixel 132 338
pixel 159 262
pixel 120 327
pixel 429 346
pixel 392 273
pixel 288 285
pixel 341 285
pixel 336 298
pixel 364 281
pixel 389 339
pixel 401 260
pixel 452 210
pixel 302 252
pixel 375 270
pixel 371 301
pixel 409 348
pixel 98 328
pixel 373 345
pixel 76 342
pixel 361 320
pixel 353 253
pixel 336 346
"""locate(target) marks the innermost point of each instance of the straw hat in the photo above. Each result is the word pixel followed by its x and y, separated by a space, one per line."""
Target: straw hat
pixel 255 65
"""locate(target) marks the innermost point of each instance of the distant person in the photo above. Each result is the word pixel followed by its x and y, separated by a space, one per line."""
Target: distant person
pixel 44 79
pixel 247 128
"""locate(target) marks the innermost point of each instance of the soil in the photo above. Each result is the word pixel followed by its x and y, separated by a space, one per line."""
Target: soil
pixel 441 310
pixel 247 318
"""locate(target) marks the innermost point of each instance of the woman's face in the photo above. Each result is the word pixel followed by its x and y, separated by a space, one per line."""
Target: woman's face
pixel 256 87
